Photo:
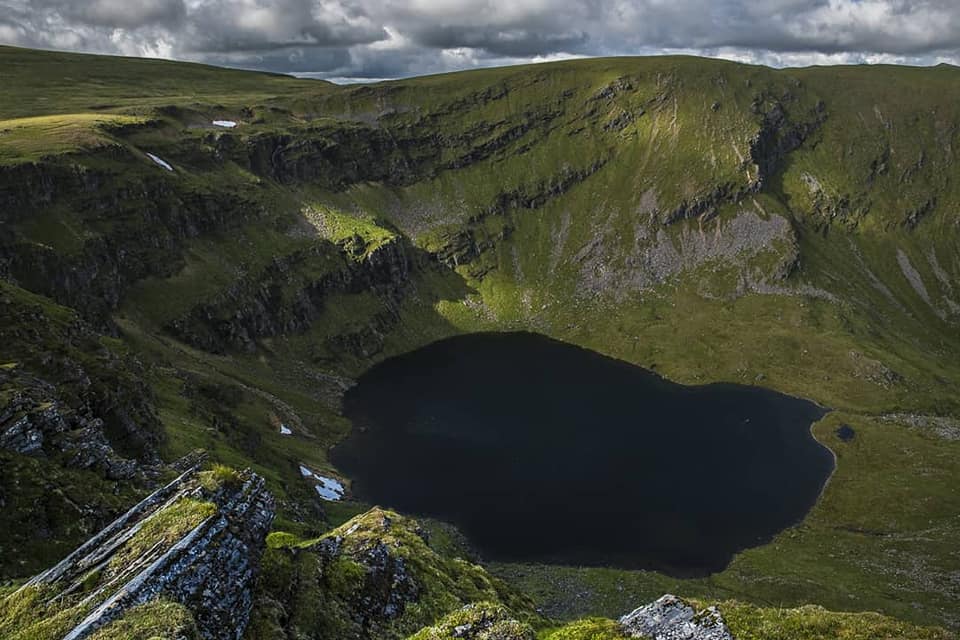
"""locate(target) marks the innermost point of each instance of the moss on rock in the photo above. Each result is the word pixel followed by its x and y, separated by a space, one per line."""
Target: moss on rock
pixel 478 621
pixel 375 576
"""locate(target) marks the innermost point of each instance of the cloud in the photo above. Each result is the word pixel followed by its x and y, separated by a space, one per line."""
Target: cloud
pixel 390 38
pixel 122 14
pixel 222 26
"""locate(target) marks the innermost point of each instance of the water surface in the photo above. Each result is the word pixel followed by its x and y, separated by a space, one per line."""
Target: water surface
pixel 544 452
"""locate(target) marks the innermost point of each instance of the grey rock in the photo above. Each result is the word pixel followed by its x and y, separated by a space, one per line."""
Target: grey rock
pixel 671 618
pixel 34 422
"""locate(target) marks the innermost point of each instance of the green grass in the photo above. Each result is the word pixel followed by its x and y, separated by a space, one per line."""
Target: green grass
pixel 49 82
pixel 30 139
pixel 586 629
pixel 748 622
pixel 25 615
pixel 480 620
pixel 344 228
pixel 164 529
pixel 156 619
pixel 816 623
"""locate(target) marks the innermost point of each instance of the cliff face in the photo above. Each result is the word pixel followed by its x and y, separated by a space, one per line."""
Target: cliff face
pixel 195 542
pixel 280 301
pixel 121 226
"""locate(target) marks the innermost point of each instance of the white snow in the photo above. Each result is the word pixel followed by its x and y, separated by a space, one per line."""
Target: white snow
pixel 160 161
pixel 284 431
pixel 226 124
pixel 329 488
pixel 326 493
pixel 332 486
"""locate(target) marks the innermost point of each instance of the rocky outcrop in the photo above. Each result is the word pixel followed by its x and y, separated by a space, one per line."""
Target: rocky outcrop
pixel 287 297
pixel 335 157
pixel 196 542
pixel 34 422
pixel 670 618
pixel 63 389
pixel 780 134
pixel 762 249
pixel 375 577
pixel 467 245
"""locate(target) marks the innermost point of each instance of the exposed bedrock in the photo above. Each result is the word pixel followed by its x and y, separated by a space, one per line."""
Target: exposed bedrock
pixel 196 542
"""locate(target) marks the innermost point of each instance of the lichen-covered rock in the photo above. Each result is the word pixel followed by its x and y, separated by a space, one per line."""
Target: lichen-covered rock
pixel 670 618
pixel 478 621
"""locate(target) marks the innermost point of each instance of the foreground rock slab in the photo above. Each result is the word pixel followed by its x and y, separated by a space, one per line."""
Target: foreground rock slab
pixel 194 543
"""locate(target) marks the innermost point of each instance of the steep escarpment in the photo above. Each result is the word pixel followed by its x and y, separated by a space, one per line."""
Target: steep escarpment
pixel 282 300
pixel 81 233
pixel 75 417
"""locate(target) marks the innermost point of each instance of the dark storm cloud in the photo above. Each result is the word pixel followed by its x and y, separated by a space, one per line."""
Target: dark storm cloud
pixel 507 42
pixel 223 26
pixel 388 38
pixel 123 14
pixel 307 60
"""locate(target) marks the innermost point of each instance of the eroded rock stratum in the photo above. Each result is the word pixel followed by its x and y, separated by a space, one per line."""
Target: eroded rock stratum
pixel 195 542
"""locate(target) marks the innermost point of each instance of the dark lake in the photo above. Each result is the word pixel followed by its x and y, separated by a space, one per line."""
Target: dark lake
pixel 544 452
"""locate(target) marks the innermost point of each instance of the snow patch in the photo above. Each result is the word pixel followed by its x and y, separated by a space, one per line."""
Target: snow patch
pixel 328 488
pixel 226 124
pixel 160 161
pixel 284 430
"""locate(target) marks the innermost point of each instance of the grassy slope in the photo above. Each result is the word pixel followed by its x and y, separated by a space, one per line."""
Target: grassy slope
pixel 749 622
pixel 50 82
pixel 691 121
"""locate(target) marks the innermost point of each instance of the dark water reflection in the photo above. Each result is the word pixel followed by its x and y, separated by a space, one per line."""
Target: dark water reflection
pixel 544 452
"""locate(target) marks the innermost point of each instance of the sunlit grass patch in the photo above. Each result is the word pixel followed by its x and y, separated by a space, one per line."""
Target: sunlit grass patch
pixel 26 139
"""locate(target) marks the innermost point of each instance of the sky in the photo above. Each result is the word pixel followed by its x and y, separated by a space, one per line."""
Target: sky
pixel 346 40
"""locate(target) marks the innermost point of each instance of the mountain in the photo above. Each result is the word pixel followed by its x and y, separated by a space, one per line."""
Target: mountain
pixel 199 258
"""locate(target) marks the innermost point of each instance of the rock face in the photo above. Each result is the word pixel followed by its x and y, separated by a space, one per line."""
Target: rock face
pixel 64 391
pixel 256 307
pixel 670 618
pixel 197 542
pixel 762 251
pixel 151 223
pixel 34 422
